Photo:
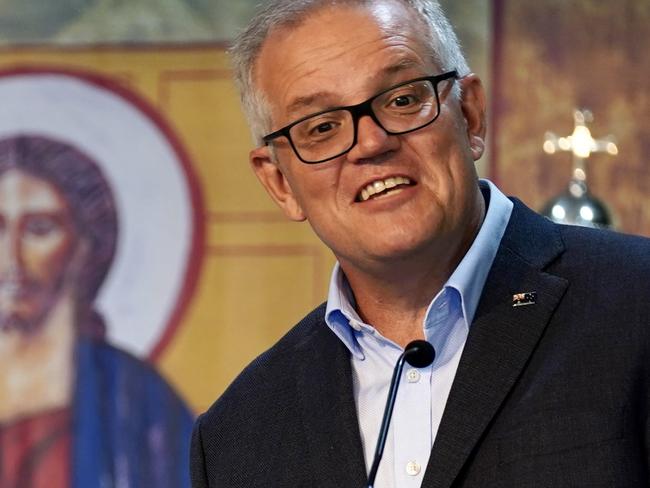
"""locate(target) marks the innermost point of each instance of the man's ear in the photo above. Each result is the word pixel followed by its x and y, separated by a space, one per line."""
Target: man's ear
pixel 275 182
pixel 473 107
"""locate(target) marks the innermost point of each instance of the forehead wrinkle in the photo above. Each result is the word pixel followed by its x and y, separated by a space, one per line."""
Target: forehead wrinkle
pixel 311 99
pixel 402 39
pixel 328 53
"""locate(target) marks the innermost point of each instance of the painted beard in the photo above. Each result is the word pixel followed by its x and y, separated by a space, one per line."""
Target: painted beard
pixel 24 304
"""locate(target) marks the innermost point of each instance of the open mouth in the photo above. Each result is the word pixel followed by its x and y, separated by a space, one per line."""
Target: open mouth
pixel 382 187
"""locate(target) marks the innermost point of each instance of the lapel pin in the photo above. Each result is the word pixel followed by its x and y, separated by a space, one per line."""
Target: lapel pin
pixel 526 298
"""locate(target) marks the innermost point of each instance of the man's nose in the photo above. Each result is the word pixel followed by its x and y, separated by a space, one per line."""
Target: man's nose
pixel 11 252
pixel 372 141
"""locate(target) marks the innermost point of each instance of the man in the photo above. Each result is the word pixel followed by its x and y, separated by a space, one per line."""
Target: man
pixel 368 122
pixel 74 410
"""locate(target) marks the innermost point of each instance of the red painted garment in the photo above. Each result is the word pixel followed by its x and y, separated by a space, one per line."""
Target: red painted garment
pixel 35 451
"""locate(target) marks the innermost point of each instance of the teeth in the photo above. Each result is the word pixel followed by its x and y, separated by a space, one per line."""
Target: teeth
pixel 379 186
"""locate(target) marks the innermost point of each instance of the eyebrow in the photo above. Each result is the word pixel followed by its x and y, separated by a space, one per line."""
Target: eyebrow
pixel 307 101
pixel 401 65
pixel 310 100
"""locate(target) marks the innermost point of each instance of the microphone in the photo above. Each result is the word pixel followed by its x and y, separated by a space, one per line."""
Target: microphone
pixel 418 354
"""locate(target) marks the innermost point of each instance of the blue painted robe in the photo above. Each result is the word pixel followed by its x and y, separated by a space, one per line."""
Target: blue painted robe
pixel 130 429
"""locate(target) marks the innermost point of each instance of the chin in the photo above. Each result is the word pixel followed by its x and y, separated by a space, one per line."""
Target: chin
pixel 400 250
pixel 413 238
pixel 13 322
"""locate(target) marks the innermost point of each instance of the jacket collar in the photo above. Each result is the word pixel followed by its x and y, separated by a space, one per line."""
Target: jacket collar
pixel 327 409
pixel 501 339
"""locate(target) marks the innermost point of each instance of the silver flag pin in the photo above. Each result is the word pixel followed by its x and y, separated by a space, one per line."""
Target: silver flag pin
pixel 525 298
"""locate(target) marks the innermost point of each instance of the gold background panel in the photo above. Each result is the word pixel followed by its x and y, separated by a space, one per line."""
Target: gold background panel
pixel 259 273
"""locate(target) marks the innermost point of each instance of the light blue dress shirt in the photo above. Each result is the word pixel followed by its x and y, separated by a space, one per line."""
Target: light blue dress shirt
pixel 423 392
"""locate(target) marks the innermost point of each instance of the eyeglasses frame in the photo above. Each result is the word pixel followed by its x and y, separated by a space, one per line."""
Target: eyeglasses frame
pixel 359 110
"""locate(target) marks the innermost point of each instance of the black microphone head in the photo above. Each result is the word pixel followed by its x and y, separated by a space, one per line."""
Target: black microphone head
pixel 419 354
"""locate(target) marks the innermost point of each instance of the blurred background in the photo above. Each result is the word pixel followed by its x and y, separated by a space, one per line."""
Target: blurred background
pixel 206 273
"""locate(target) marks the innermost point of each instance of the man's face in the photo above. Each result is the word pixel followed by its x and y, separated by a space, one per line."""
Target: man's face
pixel 341 56
pixel 37 240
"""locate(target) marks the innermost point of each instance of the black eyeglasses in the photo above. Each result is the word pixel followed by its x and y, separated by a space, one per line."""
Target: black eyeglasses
pixel 331 133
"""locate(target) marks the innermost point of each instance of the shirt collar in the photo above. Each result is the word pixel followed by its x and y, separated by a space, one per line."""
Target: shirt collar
pixel 469 276
pixel 341 310
pixel 467 279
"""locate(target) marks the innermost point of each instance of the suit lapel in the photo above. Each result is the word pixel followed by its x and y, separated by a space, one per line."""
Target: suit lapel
pixel 500 341
pixel 329 412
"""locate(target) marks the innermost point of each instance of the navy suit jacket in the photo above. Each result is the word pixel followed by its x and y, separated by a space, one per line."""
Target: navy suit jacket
pixel 552 394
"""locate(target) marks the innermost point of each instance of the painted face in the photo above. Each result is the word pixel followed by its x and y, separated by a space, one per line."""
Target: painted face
pixel 37 240
pixel 344 55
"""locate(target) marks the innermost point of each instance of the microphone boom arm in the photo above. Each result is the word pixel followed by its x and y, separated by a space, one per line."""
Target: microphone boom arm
pixel 385 422
pixel 419 354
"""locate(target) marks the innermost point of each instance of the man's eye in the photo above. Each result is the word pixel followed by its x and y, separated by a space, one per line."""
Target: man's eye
pixel 41 226
pixel 320 128
pixel 323 127
pixel 404 101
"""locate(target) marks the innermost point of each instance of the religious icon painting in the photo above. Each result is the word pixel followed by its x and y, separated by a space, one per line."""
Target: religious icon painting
pixel 99 241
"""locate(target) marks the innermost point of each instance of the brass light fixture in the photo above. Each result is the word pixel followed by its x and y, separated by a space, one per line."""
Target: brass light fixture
pixel 577 205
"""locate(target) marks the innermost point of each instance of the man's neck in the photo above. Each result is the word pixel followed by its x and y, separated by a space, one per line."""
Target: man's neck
pixel 395 303
pixel 393 297
pixel 37 366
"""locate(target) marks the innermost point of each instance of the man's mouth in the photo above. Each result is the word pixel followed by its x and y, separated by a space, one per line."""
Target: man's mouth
pixel 383 187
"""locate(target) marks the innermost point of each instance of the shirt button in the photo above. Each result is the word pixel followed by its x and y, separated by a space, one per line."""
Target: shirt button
pixel 413 375
pixel 412 468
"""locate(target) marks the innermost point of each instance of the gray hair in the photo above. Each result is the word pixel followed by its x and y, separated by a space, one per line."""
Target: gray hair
pixel 441 39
